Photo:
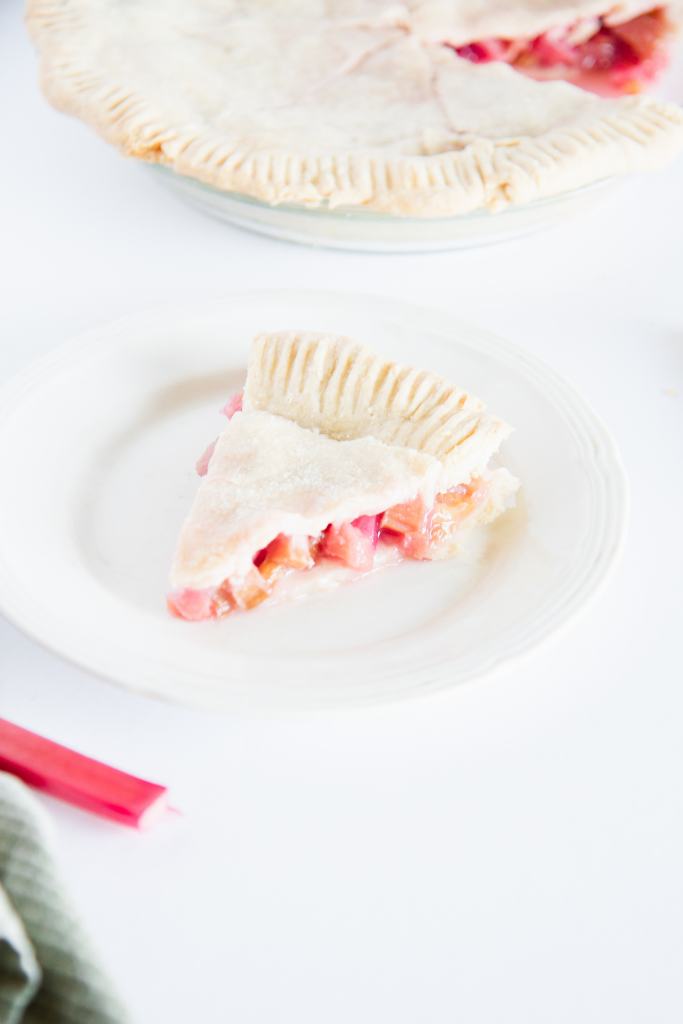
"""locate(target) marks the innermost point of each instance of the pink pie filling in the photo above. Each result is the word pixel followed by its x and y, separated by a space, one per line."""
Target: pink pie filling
pixel 415 529
pixel 609 59
pixel 233 405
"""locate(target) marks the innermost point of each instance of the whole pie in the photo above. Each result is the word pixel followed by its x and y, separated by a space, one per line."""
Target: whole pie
pixel 420 108
pixel 334 462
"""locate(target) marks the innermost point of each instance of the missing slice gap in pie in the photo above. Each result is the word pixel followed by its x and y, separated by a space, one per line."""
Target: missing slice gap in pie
pixel 610 49
pixel 333 458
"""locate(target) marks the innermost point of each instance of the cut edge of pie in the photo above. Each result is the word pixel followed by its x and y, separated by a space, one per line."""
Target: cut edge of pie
pixel 604 138
pixel 611 50
pixel 304 477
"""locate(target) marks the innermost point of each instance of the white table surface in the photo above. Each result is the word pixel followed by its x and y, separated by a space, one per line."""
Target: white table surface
pixel 508 852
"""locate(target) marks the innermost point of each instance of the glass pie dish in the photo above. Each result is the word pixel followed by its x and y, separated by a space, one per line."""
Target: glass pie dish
pixel 368 231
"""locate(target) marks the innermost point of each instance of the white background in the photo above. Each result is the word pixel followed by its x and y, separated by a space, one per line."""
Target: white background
pixel 509 852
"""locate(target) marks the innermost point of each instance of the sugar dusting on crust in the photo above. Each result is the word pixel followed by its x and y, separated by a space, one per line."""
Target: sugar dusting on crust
pixel 347 392
pixel 269 476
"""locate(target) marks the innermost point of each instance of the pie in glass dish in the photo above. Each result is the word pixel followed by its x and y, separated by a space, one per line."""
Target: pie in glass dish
pixel 334 462
pixel 423 109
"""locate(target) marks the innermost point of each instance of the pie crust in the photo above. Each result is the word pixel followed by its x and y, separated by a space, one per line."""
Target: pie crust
pixel 334 385
pixel 343 102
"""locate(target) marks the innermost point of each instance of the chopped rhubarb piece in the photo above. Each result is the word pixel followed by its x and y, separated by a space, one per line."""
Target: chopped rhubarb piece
pixel 484 51
pixel 391 539
pixel 283 555
pixel 408 517
pixel 644 33
pixel 222 601
pixel 605 51
pixel 271 570
pixel 294 552
pixel 251 590
pixel 233 405
pixel 77 779
pixel 472 52
pixel 551 48
pixel 456 496
pixel 191 604
pixel 410 522
pixel 415 545
pixel 455 493
pixel 452 508
pixel 202 463
pixel 369 526
pixel 350 545
pixel 631 79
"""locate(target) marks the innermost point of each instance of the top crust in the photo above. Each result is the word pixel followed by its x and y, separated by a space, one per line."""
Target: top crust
pixel 268 475
pixel 334 385
pixel 342 102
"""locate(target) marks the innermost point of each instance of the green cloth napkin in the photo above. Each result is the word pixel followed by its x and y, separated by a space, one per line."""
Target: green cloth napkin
pixel 47 972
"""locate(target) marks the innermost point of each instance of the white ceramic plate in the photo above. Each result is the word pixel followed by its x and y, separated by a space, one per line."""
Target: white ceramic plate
pixel 99 441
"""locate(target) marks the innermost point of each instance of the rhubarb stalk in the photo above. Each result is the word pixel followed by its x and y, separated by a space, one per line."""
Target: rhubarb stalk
pixel 77 779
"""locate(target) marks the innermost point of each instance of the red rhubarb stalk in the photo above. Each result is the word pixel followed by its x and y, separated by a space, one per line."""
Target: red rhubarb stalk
pixel 77 779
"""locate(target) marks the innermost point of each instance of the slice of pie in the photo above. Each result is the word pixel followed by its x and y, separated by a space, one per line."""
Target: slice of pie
pixel 333 459
pixel 417 108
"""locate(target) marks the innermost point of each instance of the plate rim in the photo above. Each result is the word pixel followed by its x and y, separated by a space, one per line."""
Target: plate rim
pixel 604 451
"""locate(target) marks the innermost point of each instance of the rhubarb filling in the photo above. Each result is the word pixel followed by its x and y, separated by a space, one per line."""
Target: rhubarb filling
pixel 416 530
pixel 606 58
